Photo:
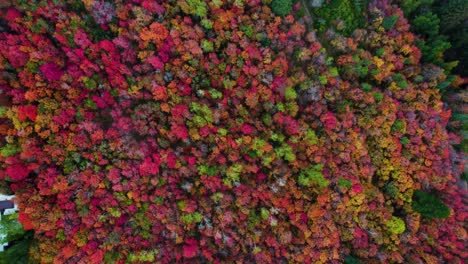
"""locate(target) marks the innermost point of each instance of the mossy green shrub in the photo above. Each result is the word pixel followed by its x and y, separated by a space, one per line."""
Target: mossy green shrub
pixel 195 7
pixel 429 205
pixel 389 22
pixel 281 7
pixel 351 260
pixel 312 176
pixel 9 150
pixel 395 225
pixel 344 183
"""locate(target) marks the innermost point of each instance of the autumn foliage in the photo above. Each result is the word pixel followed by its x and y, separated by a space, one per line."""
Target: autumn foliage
pixel 216 131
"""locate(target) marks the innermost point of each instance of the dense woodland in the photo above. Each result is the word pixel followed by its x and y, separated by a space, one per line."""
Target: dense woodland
pixel 234 131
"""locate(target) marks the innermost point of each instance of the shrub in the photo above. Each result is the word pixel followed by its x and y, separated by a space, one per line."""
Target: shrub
pixel 281 7
pixel 103 12
pixel 395 225
pixel 344 183
pixel 429 205
pixel 427 23
pixel 9 150
pixel 351 260
pixel 195 7
pixel 313 176
pixel 389 22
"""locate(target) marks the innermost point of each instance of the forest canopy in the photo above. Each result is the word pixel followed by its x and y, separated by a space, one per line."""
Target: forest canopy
pixel 257 131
